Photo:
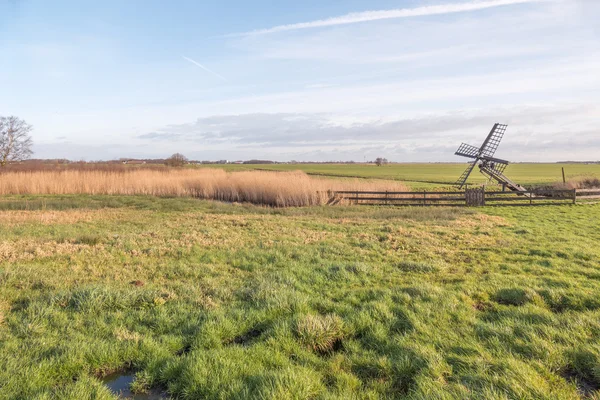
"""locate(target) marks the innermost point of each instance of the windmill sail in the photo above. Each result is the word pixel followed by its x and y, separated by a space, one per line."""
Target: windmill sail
pixel 466 150
pixel 493 140
pixel 465 175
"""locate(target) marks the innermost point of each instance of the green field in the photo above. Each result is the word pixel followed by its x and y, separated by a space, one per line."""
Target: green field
pixel 208 300
pixel 418 174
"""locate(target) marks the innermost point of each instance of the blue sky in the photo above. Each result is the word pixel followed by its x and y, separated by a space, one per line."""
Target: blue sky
pixel 336 80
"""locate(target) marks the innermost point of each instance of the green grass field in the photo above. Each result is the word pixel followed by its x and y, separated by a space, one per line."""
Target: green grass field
pixel 424 175
pixel 216 301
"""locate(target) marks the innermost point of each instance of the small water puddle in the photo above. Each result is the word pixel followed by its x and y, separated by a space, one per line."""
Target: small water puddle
pixel 119 384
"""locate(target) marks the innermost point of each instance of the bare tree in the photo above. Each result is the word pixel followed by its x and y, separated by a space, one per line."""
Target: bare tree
pixel 15 142
pixel 176 160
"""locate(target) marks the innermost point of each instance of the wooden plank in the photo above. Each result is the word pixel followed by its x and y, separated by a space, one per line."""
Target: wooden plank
pixel 397 193
pixel 526 204
pixel 412 205
pixel 462 204
pixel 588 193
pixel 538 192
pixel 529 199
pixel 400 199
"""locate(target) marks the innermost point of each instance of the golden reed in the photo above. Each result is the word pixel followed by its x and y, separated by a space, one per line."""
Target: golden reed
pixel 280 189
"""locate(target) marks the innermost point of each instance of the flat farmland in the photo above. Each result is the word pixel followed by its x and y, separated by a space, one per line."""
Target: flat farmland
pixel 416 175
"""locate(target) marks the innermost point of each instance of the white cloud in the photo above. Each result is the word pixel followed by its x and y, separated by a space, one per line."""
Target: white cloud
pixel 367 16
pixel 535 134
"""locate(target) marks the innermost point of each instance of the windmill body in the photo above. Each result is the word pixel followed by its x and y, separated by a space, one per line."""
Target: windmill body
pixel 483 158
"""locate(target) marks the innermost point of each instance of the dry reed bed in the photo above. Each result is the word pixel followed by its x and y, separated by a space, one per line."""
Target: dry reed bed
pixel 281 189
pixel 581 183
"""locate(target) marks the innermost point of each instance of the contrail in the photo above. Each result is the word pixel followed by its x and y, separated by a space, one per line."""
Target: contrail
pixel 366 16
pixel 204 68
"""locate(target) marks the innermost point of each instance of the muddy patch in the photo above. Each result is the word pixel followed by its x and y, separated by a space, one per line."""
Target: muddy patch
pixel 247 338
pixel 120 385
pixel 587 388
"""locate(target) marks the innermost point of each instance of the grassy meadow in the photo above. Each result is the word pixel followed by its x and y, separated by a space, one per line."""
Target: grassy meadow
pixel 222 301
pixel 434 175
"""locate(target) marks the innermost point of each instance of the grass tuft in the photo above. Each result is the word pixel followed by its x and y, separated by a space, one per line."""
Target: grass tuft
pixel 417 266
pixel 88 239
pixel 320 333
pixel 514 296
pixel 3 311
pixel 99 298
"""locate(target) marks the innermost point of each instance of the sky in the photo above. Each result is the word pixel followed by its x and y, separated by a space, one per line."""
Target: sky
pixel 307 80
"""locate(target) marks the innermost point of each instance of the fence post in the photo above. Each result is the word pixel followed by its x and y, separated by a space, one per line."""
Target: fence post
pixel 386 197
pixel 424 198
pixel 574 196
pixel 357 197
pixel 530 198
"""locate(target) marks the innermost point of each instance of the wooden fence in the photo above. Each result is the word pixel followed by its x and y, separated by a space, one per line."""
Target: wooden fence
pixel 588 194
pixel 470 197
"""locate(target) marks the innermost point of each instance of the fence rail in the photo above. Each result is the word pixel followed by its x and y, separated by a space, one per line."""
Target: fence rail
pixel 469 197
pixel 588 194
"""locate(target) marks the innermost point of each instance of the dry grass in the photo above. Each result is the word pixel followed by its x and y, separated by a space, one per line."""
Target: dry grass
pixel 50 217
pixel 3 311
pixel 281 189
pixel 581 183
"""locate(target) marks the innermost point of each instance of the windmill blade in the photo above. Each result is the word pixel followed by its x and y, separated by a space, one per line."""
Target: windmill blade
pixel 466 150
pixel 489 147
pixel 465 175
